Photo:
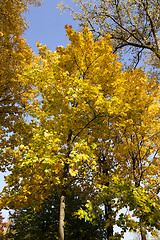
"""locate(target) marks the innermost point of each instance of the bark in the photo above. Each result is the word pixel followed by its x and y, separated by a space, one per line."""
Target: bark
pixel 108 206
pixel 143 233
pixel 62 217
pixel 63 194
pixel 62 203
pixel 137 181
pixel 108 211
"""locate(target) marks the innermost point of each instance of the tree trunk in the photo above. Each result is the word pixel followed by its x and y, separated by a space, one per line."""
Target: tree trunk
pixel 63 194
pixel 143 233
pixel 63 203
pixel 108 207
pixel 108 212
pixel 61 217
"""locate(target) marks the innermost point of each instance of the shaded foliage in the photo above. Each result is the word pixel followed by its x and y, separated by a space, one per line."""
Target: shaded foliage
pixel 43 224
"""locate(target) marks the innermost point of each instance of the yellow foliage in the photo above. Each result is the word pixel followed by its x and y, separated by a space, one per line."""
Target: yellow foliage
pixel 89 109
pixel 15 54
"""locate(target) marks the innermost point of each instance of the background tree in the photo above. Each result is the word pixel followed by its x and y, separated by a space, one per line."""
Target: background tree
pixel 133 24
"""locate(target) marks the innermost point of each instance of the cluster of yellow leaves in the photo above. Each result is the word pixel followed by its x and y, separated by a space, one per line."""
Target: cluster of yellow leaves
pixel 14 55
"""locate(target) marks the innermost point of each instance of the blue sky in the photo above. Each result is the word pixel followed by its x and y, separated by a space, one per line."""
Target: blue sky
pixel 46 25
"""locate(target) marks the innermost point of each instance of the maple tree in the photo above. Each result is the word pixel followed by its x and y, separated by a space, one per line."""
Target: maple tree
pixel 56 119
pixel 134 146
pixel 14 54
pixel 92 124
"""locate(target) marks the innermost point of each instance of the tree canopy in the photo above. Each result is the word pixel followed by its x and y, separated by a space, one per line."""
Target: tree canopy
pixel 93 125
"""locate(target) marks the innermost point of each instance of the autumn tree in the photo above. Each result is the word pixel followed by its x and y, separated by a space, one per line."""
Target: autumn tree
pixel 83 131
pixel 141 141
pixel 133 24
pixel 64 113
pixel 134 145
pixel 14 54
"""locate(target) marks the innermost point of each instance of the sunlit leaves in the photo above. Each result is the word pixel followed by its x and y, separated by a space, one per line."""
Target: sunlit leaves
pixel 92 124
pixel 14 55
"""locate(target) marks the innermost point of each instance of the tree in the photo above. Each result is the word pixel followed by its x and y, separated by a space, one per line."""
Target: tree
pixel 66 113
pixel 133 24
pixel 14 54
pixel 82 91
pixel 135 147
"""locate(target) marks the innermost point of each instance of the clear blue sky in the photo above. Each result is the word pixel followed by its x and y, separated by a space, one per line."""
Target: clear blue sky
pixel 46 25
